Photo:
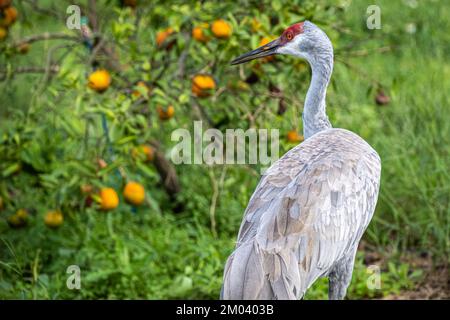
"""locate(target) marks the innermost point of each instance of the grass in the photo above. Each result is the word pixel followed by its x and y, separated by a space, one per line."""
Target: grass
pixel 412 134
pixel 142 257
pixel 155 254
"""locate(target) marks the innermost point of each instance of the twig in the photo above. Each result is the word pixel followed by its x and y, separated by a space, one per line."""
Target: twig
pixel 137 21
pixel 167 173
pixel 92 14
pixel 49 64
pixel 164 67
pixel 217 186
pixel 46 36
pixel 33 69
pixel 95 51
pixel 183 57
pixel 202 113
pixel 36 8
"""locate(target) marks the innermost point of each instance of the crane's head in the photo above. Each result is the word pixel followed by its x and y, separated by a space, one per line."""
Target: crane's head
pixel 303 39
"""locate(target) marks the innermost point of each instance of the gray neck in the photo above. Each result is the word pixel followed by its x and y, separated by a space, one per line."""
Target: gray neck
pixel 314 112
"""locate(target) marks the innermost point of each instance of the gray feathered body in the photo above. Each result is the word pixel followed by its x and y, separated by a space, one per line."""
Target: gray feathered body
pixel 305 219
pixel 311 207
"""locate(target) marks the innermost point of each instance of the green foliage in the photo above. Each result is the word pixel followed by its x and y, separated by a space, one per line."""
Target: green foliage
pixel 52 134
pixel 393 279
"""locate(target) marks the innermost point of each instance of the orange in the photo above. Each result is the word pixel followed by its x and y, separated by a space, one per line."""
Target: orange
pixel 108 199
pixel 149 152
pixel 134 193
pixel 161 36
pixel 143 151
pixel 129 3
pixel 54 219
pixel 238 85
pixel 263 42
pixel 22 214
pixel 99 80
pixel 166 114
pixel 221 29
pixel 202 84
pixel 15 222
pixel 256 25
pixel 9 16
pixel 293 136
pixel 199 34
pixel 3 33
pixel 5 3
pixel 140 84
pixel 23 48
pixel 19 219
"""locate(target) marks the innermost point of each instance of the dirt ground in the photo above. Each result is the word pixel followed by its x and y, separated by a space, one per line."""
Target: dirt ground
pixel 435 283
pixel 434 286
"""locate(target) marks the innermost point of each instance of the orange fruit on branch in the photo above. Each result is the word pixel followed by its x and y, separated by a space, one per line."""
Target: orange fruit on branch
pixel 99 80
pixel 5 3
pixel 9 15
pixel 23 48
pixel 198 33
pixel 109 199
pixel 263 42
pixel 19 219
pixel 161 36
pixel 22 214
pixel 15 222
pixel 256 25
pixel 134 193
pixel 3 33
pixel 129 3
pixel 166 114
pixel 294 137
pixel 202 85
pixel 53 219
pixel 140 84
pixel 143 152
pixel 221 29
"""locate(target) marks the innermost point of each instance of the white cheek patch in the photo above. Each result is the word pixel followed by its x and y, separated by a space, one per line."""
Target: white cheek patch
pixel 292 47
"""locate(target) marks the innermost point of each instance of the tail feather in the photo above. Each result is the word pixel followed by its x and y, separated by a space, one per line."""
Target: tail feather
pixel 244 275
pixel 251 273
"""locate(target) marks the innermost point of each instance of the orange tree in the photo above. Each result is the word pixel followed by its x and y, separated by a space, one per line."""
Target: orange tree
pixel 86 112
pixel 133 73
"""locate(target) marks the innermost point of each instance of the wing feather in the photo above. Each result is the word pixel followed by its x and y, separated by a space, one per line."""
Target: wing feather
pixel 309 210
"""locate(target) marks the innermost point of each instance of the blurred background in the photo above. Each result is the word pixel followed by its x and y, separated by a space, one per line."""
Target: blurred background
pixel 86 117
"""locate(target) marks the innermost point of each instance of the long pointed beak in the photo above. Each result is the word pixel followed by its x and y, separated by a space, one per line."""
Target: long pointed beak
pixel 263 51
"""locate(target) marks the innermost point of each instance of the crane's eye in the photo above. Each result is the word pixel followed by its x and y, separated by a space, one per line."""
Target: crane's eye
pixel 289 36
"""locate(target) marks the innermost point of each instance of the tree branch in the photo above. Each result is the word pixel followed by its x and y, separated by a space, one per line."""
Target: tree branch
pixel 33 69
pixel 36 8
pixel 92 15
pixel 46 36
pixel 168 174
pixel 30 69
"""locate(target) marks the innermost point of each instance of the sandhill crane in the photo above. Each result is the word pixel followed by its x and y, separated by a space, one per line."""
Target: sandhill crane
pixel 311 207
